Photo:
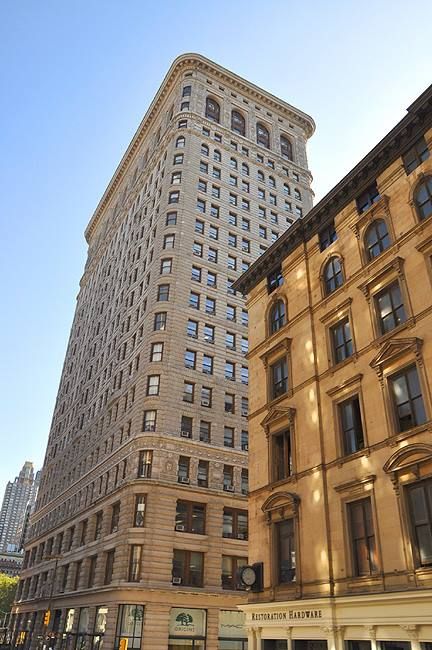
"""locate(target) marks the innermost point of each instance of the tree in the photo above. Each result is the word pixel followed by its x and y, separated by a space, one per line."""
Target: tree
pixel 8 587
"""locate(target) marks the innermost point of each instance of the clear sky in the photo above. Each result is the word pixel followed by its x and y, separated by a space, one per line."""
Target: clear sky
pixel 76 77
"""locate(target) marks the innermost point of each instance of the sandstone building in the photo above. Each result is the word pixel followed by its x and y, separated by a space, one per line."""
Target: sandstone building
pixel 141 519
pixel 340 420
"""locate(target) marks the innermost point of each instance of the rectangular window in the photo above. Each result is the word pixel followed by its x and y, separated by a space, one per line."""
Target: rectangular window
pixel 199 226
pixel 196 274
pixel 362 537
pixel 201 206
pixel 228 478
pixel 188 392
pixel 407 399
pixel 341 339
pixel 228 437
pixel 230 370
pixel 229 402
pixel 244 375
pixel 368 198
pixel 389 307
pixel 194 300
pixel 209 333
pixel 230 570
pixel 197 249
pixel 174 197
pixel 135 563
pixel 115 517
pixel 109 566
pixel 286 551
pixel 171 219
pixel 244 407
pixel 278 378
pixel 282 455
pixel 153 382
pixel 156 352
pixel 190 359
pixel 351 425
pixel 207 364
pixel 91 571
pixel 231 312
pixel 203 473
pixel 420 510
pixel 212 255
pixel 235 523
pixel 186 426
pixel 139 513
pixel 414 157
pixel 244 440
pixel 145 462
pixel 183 469
pixel 166 266
pixel 192 329
pixel 210 305
pixel 160 321
pixel 206 396
pixel 205 431
pixel 327 236
pixel 244 481
pixel 190 517
pixel 188 568
pixel 211 279
pixel 213 232
pixel 129 625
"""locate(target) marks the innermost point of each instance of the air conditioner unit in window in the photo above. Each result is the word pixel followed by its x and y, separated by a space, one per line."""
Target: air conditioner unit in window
pixel 245 448
pixel 241 536
pixel 229 488
pixel 183 479
pixel 192 336
pixel 205 402
pixel 180 527
pixel 186 434
pixel 176 581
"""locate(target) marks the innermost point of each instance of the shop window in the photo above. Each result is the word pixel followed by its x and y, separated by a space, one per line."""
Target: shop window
pixel 129 625
pixel 362 536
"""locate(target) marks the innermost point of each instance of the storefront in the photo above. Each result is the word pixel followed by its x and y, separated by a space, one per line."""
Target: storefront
pixel 187 629
pixel 232 633
pixel 394 621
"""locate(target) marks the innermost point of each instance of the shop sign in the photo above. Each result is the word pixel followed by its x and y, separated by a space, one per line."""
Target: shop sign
pixel 231 624
pixel 288 615
pixel 187 622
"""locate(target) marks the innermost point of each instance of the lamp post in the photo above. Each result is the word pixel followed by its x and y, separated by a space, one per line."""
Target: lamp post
pixel 47 616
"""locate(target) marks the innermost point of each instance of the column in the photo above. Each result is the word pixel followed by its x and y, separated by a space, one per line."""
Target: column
pixel 412 632
pixel 371 630
pixel 251 638
pixel 289 638
pixel 258 643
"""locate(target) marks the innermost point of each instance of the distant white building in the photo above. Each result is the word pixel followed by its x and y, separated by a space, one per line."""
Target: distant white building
pixel 18 500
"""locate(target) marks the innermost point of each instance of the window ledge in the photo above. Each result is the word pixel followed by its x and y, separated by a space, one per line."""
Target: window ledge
pixel 410 322
pixel 342 364
pixel 403 435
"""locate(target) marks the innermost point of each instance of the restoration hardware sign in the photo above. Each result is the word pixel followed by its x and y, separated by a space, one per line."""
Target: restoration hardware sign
pixel 289 615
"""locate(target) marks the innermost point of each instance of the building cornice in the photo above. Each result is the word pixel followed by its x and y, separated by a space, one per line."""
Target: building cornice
pixel 195 61
pixel 391 147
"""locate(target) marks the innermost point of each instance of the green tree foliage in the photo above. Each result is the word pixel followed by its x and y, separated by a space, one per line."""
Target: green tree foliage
pixel 8 587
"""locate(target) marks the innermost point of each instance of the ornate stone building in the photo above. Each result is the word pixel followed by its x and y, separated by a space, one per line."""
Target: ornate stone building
pixel 141 519
pixel 340 420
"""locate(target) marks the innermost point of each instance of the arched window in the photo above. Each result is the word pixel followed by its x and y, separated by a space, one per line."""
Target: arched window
pixel 333 277
pixel 376 239
pixel 238 123
pixel 260 176
pixel 180 142
pixel 286 189
pixel 212 111
pixel 204 150
pixel 277 316
pixel 217 156
pixel 262 135
pixel 423 198
pixel 286 148
pixel 271 181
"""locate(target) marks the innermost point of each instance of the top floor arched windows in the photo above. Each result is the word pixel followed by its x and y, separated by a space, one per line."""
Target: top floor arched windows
pixel 238 123
pixel 423 198
pixel 212 110
pixel 262 135
pixel 277 316
pixel 332 276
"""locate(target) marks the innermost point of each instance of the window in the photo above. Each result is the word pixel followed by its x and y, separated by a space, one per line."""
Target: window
pixel 207 364
pixel 217 156
pixel 231 312
pixel 203 472
pixel 212 255
pixel 389 308
pixel 244 375
pixel 145 462
pixel 187 91
pixel 176 178
pixel 199 226
pixel 202 187
pixel 213 232
pixel 244 439
pixel 245 169
pixel 197 249
pixel 206 396
pixel 238 123
pixel 244 481
pixel 229 370
pixel 188 568
pixel 244 317
pixel 194 300
pixel 83 533
pixel 414 157
pixel 183 469
pixel 327 236
pixel 281 455
pixel 274 279
pixel 230 570
pixel 205 431
pixel 186 426
pixel 149 421
pixel 376 239
pixel 209 333
pixel 204 150
pixel 98 525
pixel 212 110
pixel 245 245
pixel 201 205
pixel 216 173
pixel 299 211
pixel 233 180
pixel 233 199
pixel 203 167
pixel 351 425
pixel 232 263
pixel 333 276
pixel 169 241
pixel 228 478
pixel 115 517
pixel 277 316
pixel 180 142
pixel 423 198
pixel 129 625
pixel 261 193
pixel 174 197
pixel 235 523
pixel 230 340
pixel 286 551
pixel 171 219
pixel 139 512
pixel 341 340
pixel 188 392
pixel 156 353
pixel 229 402
pixel 362 537
pixel 297 195
pixel 420 510
pixel 215 191
pixel 166 266
pixel 192 329
pixel 190 517
pixel 232 240
pixel 368 198
pixel 91 571
pixel 135 563
pixel 278 378
pixel 262 135
pixel 245 186
pixel 163 292
pixel 190 359
pixel 286 148
pixel 153 382
pixel 228 437
pixel 160 321
pixel 196 274
pixel 182 124
pixel 178 159
pixel 407 399
pixel 210 303
pixel 109 566
pixel 244 407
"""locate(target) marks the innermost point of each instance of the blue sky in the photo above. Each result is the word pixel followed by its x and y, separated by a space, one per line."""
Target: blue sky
pixel 76 78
